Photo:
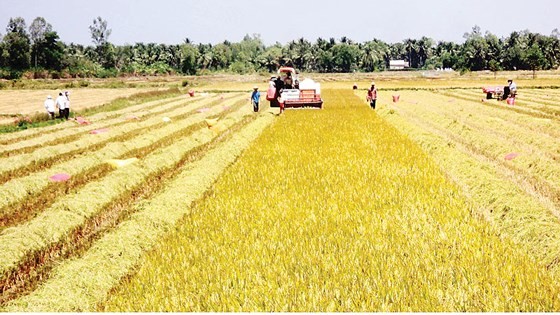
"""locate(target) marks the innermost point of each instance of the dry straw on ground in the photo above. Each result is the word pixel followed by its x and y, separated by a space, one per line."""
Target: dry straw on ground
pixel 30 101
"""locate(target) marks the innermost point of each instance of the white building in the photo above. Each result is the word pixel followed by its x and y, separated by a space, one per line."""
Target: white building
pixel 398 64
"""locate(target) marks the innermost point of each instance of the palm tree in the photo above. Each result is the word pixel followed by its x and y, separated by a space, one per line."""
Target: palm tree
pixel 411 52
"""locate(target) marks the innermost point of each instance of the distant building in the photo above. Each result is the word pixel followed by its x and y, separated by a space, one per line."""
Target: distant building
pixel 398 64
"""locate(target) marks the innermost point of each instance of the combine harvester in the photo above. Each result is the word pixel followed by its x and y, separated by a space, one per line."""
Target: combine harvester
pixel 285 91
pixel 498 92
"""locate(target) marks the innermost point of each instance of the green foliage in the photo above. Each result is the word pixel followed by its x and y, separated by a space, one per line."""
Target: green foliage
pixel 241 67
pixel 494 65
pixel 50 51
pixel 19 51
pixel 189 61
pixel 345 58
pixel 534 58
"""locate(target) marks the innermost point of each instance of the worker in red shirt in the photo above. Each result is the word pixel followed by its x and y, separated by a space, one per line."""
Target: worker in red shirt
pixel 372 95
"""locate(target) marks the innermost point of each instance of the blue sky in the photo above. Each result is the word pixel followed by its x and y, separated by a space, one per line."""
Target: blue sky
pixel 213 21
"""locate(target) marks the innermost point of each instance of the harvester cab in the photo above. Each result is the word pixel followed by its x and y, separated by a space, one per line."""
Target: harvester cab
pixel 286 91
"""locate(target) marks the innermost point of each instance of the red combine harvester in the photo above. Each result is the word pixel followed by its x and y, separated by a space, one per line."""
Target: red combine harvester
pixel 285 91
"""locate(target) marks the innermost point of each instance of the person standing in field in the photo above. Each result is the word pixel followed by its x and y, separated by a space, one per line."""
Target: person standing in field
pixel 279 88
pixel 288 81
pixel 61 104
pixel 67 105
pixel 372 95
pixel 512 88
pixel 50 106
pixel 255 98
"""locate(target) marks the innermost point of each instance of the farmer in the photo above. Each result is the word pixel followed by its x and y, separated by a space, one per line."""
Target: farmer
pixel 255 97
pixel 512 88
pixel 372 95
pixel 277 96
pixel 67 105
pixel 279 83
pixel 288 81
pixel 61 104
pixel 49 106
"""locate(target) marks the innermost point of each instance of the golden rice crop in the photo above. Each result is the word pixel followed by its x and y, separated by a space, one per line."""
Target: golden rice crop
pixel 86 142
pixel 489 135
pixel 335 210
pixel 526 102
pixel 469 140
pixel 72 211
pixel 32 137
pixel 16 193
pixel 80 283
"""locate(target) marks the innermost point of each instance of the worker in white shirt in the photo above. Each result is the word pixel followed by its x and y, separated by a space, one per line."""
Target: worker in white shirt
pixel 67 105
pixel 61 104
pixel 512 88
pixel 49 106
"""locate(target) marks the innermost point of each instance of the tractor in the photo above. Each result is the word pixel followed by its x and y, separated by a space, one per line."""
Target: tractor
pixel 285 91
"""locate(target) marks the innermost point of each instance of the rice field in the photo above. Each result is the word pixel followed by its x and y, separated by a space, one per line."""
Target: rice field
pixel 360 220
pixel 506 158
pixel 46 225
pixel 442 201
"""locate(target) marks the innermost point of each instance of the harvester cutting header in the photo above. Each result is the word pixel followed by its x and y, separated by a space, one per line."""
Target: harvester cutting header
pixel 286 91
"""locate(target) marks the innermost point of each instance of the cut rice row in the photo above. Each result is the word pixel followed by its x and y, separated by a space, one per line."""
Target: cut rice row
pixel 79 284
pixel 43 157
pixel 74 130
pixel 53 226
pixel 34 132
pixel 19 195
pixel 532 165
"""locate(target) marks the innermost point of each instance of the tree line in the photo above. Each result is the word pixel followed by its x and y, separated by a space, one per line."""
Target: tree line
pixel 38 52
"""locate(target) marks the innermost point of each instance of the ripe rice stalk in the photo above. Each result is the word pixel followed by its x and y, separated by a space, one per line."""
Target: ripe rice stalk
pixel 335 210
pixel 42 158
pixel 130 105
pixel 516 109
pixel 536 167
pixel 34 272
pixel 73 211
pixel 20 210
pixel 528 219
pixel 150 220
pixel 15 190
